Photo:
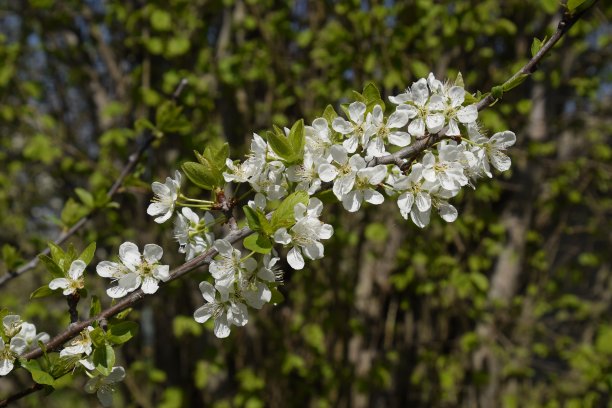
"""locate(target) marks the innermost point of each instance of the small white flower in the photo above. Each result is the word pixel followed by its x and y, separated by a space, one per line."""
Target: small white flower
pixel 379 133
pixel 418 108
pixel 414 189
pixel 29 335
pixel 343 172
pixel 135 269
pixel 494 149
pixel 318 142
pixel 254 287
pixel 365 179
pixel 229 267
pixel 165 198
pixel 271 181
pixel 12 325
pixel 450 105
pixel 193 234
pixel 223 311
pixel 446 168
pixel 73 282
pixel 79 345
pixel 306 174
pixel 355 129
pixel 9 353
pixel 305 235
pixel 104 386
pixel 243 172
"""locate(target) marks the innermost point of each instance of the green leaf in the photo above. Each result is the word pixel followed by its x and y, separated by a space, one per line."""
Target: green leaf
pixel 85 197
pixel 10 256
pixel 88 253
pixel 72 212
pixel 96 306
pixel 122 315
pixel 284 215
pixel 98 337
pixel 514 82
pixel 252 218
pixel 201 175
pixel 459 80
pixel 169 118
pixel 120 333
pixel 42 292
pixel 215 156
pixel 104 359
pixel 280 145
pixel 258 243
pixel 329 114
pixel 371 93
pixel 297 139
pixel 55 270
pixel 57 253
pixel 38 375
pixel 574 4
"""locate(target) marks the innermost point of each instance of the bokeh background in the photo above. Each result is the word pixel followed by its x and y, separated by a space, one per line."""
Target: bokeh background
pixel 509 306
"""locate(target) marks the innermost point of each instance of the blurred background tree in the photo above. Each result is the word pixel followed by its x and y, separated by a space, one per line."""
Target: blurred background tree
pixel 508 306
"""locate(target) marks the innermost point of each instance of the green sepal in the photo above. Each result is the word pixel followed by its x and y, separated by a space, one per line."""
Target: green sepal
pixel 258 243
pixel 459 80
pixel 284 215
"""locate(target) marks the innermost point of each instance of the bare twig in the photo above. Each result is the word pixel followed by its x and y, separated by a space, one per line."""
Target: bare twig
pixel 127 169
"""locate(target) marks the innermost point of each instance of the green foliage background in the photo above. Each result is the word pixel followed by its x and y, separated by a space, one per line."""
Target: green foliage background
pixel 509 306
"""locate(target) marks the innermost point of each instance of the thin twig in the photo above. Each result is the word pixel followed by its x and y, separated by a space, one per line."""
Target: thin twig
pixel 127 169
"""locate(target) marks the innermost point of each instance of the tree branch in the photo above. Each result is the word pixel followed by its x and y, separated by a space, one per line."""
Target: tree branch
pixel 127 169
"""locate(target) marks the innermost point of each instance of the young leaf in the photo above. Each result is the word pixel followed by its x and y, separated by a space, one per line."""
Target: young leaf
pixel 86 197
pixel 120 333
pixel 10 256
pixel 96 306
pixel 88 253
pixel 297 138
pixel 52 267
pixel 98 337
pixel 42 292
pixel 280 145
pixel 371 93
pixel 104 359
pixel 57 253
pixel 201 175
pixel 258 243
pixel 252 218
pixel 513 83
pixel 284 215
pixel 329 114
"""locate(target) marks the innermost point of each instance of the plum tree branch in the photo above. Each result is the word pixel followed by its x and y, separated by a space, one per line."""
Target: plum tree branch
pixel 125 171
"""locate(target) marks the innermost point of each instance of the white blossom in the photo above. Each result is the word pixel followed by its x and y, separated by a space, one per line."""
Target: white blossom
pixel 104 386
pixel 79 345
pixel 73 281
pixel 8 353
pixel 306 175
pixel 135 269
pixel 364 188
pixel 446 169
pixel 355 129
pixel 305 235
pixel 29 335
pixel 229 266
pixel 193 234
pixel 450 105
pixel 318 142
pixel 11 325
pixel 165 198
pixel 224 311
pixel 381 132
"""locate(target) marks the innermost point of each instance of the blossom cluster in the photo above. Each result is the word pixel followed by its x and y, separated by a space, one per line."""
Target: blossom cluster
pixel 16 337
pixel 346 155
